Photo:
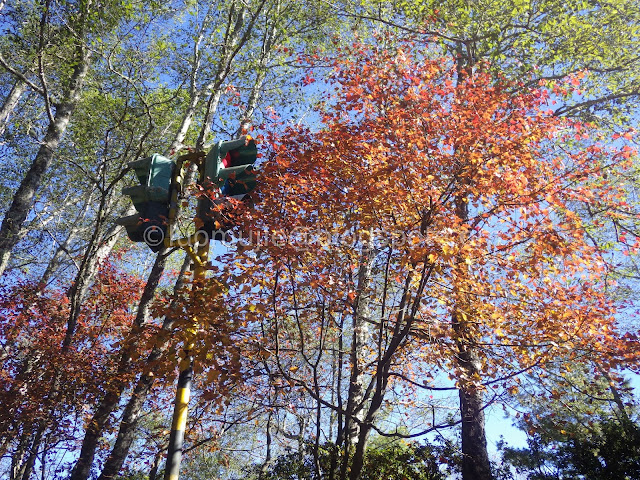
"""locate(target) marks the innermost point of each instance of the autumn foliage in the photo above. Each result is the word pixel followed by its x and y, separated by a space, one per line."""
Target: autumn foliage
pixel 439 222
pixel 440 231
pixel 45 381
pixel 472 193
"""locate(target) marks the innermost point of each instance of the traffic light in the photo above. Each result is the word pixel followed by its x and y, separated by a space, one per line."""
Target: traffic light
pixel 151 200
pixel 229 166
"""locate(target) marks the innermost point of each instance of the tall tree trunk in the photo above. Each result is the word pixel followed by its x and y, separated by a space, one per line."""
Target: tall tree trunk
pixel 97 251
pixel 111 399
pixel 194 93
pixel 235 39
pixel 355 412
pixel 405 316
pixel 475 457
pixel 24 457
pixel 18 457
pixel 25 196
pixel 359 339
pixel 33 452
pixel 10 104
pixel 265 55
pixel 129 423
pixel 338 362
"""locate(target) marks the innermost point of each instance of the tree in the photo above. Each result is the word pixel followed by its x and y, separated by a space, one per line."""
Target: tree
pixel 58 109
pixel 529 41
pixel 46 383
pixel 589 432
pixel 609 452
pixel 480 268
pixel 348 339
pixel 384 461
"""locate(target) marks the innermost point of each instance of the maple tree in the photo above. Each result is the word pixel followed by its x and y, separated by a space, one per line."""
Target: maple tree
pixel 46 381
pixel 429 229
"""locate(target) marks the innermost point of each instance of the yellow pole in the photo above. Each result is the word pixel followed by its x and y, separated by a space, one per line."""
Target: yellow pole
pixel 181 408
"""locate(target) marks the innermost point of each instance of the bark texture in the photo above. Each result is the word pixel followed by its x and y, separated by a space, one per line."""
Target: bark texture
pixel 10 104
pixel 25 196
pixel 475 457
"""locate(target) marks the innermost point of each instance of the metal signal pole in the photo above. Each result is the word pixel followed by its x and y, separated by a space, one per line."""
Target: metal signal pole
pixel 229 166
pixel 200 257
pixel 181 408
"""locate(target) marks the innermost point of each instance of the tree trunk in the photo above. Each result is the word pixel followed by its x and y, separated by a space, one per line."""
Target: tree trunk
pixel 10 104
pixel 360 337
pixel 33 453
pixel 153 473
pixel 111 399
pixel 265 55
pixel 25 196
pixel 128 424
pixel 353 423
pixel 235 39
pixel 475 458
pixel 406 313
pixel 18 456
pixel 264 468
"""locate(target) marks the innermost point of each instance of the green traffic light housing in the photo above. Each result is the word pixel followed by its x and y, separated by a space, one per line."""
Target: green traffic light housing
pixel 151 199
pixel 229 165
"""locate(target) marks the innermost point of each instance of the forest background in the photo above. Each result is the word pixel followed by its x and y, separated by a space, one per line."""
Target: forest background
pixel 478 156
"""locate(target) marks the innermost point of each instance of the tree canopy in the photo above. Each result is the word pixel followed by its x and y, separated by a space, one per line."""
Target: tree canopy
pixel 445 220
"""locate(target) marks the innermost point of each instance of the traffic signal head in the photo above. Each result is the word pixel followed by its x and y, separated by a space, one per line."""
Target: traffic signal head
pixel 151 199
pixel 229 166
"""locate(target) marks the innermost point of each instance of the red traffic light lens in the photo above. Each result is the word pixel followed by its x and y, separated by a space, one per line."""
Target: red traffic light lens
pixel 226 161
